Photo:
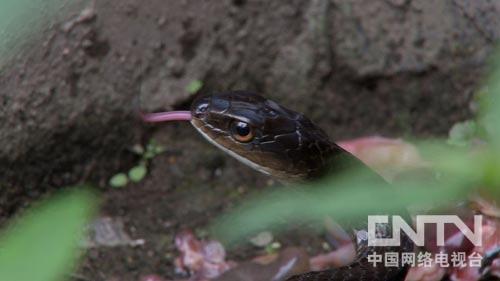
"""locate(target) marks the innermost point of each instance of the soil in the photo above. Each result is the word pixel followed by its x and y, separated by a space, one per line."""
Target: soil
pixel 69 99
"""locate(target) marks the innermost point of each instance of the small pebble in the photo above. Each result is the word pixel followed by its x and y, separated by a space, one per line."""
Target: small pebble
pixel 262 239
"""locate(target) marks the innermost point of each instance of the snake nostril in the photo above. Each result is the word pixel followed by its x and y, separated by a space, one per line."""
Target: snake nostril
pixel 202 108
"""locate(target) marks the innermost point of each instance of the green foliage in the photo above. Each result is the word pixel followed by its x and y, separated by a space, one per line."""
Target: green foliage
pixel 42 245
pixel 346 196
pixel 119 180
pixel 354 195
pixel 152 150
pixel 461 134
pixel 138 172
pixel 194 86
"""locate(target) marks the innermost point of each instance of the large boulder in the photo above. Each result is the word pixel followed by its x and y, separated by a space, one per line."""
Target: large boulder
pixel 68 99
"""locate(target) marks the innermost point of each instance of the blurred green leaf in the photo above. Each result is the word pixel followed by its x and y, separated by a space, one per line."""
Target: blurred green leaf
pixel 42 245
pixel 137 173
pixel 461 134
pixel 450 160
pixel 342 197
pixel 20 20
pixel 194 86
pixel 490 103
pixel 119 180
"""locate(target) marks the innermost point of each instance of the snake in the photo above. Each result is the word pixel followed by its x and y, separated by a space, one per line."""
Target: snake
pixel 288 146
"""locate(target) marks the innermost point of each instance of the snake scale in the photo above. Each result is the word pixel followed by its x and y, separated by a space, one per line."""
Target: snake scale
pixel 288 146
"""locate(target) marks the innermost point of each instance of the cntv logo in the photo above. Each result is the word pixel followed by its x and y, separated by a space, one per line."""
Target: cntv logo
pixel 418 235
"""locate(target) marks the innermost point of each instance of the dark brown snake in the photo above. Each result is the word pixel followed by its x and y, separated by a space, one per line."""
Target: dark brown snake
pixel 288 146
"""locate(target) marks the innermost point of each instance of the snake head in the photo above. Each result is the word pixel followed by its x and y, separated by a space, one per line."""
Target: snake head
pixel 262 134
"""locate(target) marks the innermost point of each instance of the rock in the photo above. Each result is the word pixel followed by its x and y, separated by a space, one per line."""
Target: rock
pixel 262 239
pixel 68 99
pixel 109 232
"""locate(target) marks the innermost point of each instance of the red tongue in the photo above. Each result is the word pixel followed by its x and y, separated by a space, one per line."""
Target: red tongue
pixel 166 116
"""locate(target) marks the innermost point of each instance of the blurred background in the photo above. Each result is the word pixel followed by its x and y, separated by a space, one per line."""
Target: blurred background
pixel 72 72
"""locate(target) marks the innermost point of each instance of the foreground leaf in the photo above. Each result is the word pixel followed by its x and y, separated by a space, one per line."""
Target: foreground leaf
pixel 42 245
pixel 344 197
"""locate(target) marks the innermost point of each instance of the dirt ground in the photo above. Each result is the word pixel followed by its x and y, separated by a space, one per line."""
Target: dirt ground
pixel 392 68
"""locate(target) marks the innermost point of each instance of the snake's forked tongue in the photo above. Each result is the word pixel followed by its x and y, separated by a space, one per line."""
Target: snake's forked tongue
pixel 180 115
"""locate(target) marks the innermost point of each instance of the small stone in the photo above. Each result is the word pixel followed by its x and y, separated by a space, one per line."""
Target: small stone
pixel 108 232
pixel 262 239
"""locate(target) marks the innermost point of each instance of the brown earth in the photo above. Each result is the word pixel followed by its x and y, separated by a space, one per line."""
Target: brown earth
pixel 68 100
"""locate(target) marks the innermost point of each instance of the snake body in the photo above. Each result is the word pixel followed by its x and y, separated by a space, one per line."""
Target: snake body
pixel 288 146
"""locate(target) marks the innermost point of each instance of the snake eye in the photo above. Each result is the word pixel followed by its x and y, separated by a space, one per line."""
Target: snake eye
pixel 241 131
